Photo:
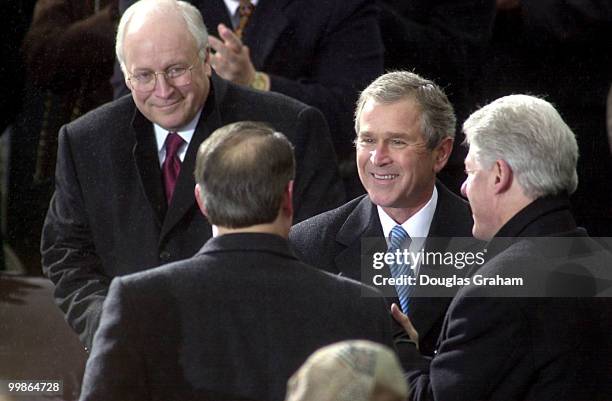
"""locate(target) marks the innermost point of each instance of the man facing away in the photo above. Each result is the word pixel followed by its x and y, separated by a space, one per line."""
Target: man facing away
pixel 405 127
pixel 238 318
pixel 124 183
pixel 537 342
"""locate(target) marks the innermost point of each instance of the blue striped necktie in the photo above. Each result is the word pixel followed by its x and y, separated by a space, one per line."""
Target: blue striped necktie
pixel 399 239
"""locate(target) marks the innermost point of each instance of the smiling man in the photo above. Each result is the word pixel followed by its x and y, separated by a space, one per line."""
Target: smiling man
pixel 405 127
pixel 124 185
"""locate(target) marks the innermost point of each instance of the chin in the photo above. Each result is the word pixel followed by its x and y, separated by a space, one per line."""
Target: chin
pixel 173 123
pixel 382 201
pixel 481 234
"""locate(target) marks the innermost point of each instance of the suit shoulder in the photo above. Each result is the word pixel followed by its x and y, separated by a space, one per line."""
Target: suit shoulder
pixel 447 195
pixel 324 224
pixel 263 99
pixel 113 114
pixel 453 217
pixel 160 276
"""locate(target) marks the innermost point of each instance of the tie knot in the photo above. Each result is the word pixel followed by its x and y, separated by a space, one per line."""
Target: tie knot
pixel 397 237
pixel 173 143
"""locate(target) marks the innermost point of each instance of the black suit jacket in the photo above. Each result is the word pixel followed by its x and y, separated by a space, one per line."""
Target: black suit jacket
pixel 332 241
pixel 238 319
pixel 108 216
pixel 526 345
pixel 319 52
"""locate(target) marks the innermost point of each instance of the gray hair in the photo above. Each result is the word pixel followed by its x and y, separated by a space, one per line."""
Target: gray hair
pixel 190 14
pixel 438 119
pixel 243 169
pixel 530 135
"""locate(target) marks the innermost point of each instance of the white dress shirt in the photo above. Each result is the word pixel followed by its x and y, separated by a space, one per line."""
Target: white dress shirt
pixel 185 132
pixel 417 226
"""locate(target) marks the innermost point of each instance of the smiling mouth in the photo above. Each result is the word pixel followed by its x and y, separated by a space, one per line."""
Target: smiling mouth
pixel 165 106
pixel 384 176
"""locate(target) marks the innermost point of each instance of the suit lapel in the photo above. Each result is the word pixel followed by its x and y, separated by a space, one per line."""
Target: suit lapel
pixel 361 228
pixel 147 165
pixel 264 29
pixel 183 199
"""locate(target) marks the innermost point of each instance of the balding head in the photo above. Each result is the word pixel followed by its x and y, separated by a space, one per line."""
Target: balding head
pixel 160 13
pixel 243 171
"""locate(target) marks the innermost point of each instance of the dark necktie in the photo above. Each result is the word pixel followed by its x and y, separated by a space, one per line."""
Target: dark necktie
pixel 172 164
pixel 399 239
pixel 245 10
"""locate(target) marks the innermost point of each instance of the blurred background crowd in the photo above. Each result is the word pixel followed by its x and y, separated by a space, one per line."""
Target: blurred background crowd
pixel 57 64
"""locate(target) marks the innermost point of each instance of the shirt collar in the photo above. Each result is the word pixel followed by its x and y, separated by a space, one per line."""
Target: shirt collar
pixel 186 132
pixel 232 5
pixel 417 226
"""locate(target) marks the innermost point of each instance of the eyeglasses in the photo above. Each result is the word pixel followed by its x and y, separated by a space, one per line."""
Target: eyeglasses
pixel 145 81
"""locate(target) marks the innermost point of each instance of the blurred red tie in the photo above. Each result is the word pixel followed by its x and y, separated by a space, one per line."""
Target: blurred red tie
pixel 172 164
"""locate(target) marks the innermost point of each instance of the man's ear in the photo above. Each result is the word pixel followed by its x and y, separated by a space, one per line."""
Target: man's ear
pixel 206 63
pixel 126 76
pixel 503 176
pixel 287 203
pixel 198 195
pixel 442 153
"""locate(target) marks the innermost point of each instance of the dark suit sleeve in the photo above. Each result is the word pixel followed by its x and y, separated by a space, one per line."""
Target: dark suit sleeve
pixel 69 257
pixel 480 343
pixel 386 324
pixel 349 57
pixel 318 187
pixel 311 241
pixel 115 369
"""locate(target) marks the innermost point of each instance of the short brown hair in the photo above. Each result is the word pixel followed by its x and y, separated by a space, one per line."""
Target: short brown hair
pixel 243 169
pixel 438 119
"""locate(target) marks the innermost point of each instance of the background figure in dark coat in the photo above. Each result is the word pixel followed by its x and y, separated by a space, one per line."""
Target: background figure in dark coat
pixel 521 169
pixel 319 52
pixel 110 215
pixel 67 62
pixel 561 50
pixel 241 316
pixel 405 130
pixel 445 40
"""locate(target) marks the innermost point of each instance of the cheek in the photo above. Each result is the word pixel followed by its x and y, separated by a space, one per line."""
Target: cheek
pixel 361 159
pixel 139 98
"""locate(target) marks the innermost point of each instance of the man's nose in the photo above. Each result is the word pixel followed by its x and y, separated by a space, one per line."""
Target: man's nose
pixel 163 88
pixel 463 188
pixel 380 155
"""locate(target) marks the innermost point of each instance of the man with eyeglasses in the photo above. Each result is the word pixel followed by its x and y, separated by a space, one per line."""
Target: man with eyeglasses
pixel 124 183
pixel 300 48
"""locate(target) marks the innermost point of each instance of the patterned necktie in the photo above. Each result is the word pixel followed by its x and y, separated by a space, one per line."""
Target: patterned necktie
pixel 245 10
pixel 172 164
pixel 400 240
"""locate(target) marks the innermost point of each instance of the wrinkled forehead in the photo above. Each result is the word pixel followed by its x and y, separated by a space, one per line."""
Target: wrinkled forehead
pixel 148 43
pixel 156 23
